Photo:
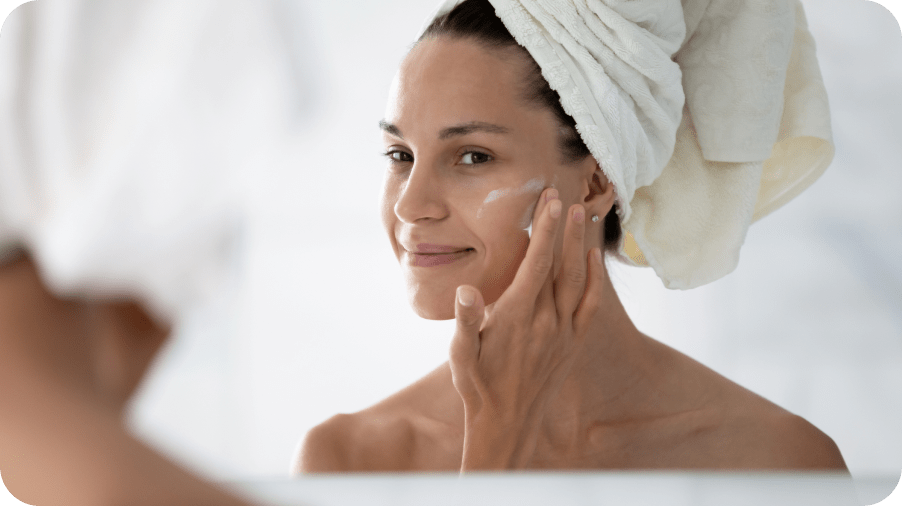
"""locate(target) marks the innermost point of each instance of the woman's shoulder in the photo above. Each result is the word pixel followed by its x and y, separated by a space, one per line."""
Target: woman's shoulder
pixel 754 433
pixel 739 429
pixel 771 437
pixel 364 441
pixel 388 436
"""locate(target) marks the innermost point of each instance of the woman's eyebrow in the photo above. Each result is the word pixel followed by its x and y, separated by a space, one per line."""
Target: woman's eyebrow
pixel 471 127
pixel 453 131
pixel 392 129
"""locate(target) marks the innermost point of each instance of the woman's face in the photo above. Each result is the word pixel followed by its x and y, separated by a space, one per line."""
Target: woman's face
pixel 467 160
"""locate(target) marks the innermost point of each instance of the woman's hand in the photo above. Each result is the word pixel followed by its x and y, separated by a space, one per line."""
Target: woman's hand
pixel 508 363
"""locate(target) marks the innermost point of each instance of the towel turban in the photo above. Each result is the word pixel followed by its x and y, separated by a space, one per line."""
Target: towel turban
pixel 125 129
pixel 705 115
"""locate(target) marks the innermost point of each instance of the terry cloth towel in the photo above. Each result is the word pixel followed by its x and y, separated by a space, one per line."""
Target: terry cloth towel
pixel 126 128
pixel 706 115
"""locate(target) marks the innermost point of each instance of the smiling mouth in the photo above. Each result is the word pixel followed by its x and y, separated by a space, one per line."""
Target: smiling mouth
pixel 437 259
pixel 443 254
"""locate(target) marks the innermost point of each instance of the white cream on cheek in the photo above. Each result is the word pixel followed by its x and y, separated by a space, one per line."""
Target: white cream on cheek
pixel 533 186
pixel 526 222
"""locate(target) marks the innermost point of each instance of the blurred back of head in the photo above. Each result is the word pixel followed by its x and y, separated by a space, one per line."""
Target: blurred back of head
pixel 127 131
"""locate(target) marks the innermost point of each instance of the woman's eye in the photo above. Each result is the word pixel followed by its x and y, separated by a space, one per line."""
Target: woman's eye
pixel 475 157
pixel 399 156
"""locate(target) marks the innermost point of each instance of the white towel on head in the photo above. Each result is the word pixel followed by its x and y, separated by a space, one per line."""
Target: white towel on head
pixel 704 114
pixel 126 127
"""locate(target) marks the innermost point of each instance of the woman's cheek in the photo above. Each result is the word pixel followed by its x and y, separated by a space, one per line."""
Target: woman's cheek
pixel 387 201
pixel 504 256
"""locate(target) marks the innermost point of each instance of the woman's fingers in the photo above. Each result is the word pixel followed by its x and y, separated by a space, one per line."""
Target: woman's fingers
pixel 539 261
pixel 571 280
pixel 542 202
pixel 591 299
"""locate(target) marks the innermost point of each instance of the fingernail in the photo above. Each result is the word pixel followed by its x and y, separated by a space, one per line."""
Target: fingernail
pixel 465 297
pixel 597 255
pixel 555 208
pixel 578 216
pixel 551 195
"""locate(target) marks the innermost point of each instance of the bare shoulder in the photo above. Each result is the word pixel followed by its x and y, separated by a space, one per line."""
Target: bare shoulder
pixel 782 440
pixel 392 435
pixel 369 440
pixel 324 447
pixel 755 433
pixel 739 429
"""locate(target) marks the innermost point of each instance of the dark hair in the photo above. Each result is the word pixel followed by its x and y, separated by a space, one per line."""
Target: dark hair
pixel 476 20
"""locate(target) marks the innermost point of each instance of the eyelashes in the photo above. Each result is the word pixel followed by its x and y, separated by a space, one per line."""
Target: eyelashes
pixel 469 157
pixel 475 158
pixel 397 156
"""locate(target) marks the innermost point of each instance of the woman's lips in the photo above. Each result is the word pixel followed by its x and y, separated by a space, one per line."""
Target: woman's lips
pixel 435 259
pixel 424 248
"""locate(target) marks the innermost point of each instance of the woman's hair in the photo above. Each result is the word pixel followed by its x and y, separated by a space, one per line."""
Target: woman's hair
pixel 476 20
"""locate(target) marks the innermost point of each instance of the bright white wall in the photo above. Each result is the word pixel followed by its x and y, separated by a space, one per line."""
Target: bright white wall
pixel 811 319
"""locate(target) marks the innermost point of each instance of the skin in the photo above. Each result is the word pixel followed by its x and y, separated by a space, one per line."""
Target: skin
pixel 546 370
pixel 67 369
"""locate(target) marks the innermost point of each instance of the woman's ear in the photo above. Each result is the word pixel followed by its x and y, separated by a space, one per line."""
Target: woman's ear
pixel 598 190
pixel 127 341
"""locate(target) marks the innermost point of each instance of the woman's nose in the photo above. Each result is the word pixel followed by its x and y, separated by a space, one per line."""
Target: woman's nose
pixel 421 196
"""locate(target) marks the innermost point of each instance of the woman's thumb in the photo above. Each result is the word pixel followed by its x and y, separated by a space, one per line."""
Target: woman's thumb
pixel 468 311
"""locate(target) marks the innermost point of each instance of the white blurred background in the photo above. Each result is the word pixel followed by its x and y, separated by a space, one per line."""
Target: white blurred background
pixel 811 319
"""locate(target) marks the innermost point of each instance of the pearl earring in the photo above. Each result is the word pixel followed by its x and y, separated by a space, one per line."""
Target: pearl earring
pixel 594 218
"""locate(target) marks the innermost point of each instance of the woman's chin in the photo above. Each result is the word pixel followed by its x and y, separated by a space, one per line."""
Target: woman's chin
pixel 434 311
pixel 433 307
pixel 440 305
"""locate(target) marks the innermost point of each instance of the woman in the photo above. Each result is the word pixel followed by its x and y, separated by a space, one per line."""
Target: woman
pixel 583 102
pixel 106 246
pixel 104 242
